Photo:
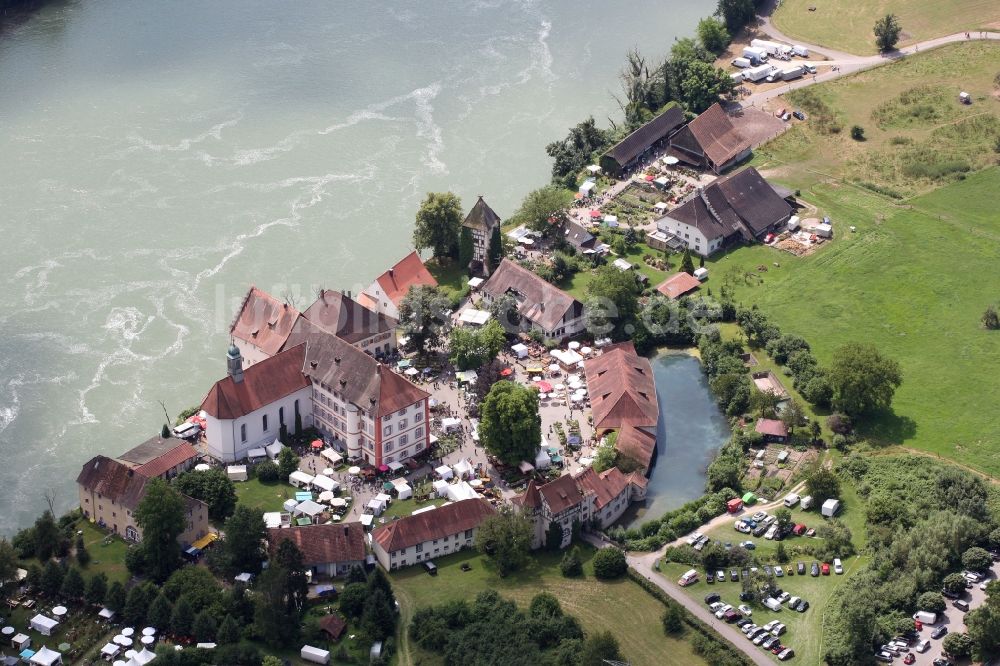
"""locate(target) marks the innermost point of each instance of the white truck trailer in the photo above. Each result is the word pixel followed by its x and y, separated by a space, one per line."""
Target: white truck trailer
pixel 752 53
pixel 755 74
pixel 800 51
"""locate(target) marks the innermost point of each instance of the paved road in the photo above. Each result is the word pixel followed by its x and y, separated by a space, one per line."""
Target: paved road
pixel 954 619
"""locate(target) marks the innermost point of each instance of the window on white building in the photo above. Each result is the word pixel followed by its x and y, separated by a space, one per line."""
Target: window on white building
pixel 243 432
pixel 418 416
pixel 264 420
pixel 404 440
pixel 402 424
pixel 387 430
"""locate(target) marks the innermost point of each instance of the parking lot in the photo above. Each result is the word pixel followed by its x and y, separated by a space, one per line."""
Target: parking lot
pixel 953 619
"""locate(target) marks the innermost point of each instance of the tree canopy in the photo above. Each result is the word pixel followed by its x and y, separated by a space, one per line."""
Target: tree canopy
pixel 822 485
pixel 543 208
pixel 612 303
pixel 505 538
pixel 161 516
pixel 423 317
pixel 245 532
pixel 438 225
pixel 471 348
pixel 887 30
pixel 572 154
pixel 863 380
pixel 510 426
pixel 212 487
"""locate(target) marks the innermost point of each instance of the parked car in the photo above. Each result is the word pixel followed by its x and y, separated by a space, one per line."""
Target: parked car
pixel 779 571
pixel 748 545
pixel 746 610
pixel 712 597
pixel 825 569
pixel 814 570
pixel 810 68
pixel 982 586
pixel 803 606
pixel 722 610
pixel 760 638
pixel 939 632
pixel 923 646
pixel 771 625
pixel 948 594
pixel 768 642
pixel 811 532
pixel 767 570
pixel 715 605
pixel 793 603
pixel 748 628
pixel 778 648
pixel 786 654
pixel 742 622
pixel 734 575
pixel 759 516
pixel 731 615
pixel 961 605
pixel 884 657
pixel 709 578
pixel 746 596
pixel 801 568
pixel 783 597
pixel 838 566
pixel 742 526
pixel 720 576
pixel 431 568
pixel 778 629
pixel 798 114
pixel 909 658
pixel 769 519
pixel 759 530
pixel 941 661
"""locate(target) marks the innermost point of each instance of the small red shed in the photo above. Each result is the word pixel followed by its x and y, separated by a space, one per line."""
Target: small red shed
pixel 734 505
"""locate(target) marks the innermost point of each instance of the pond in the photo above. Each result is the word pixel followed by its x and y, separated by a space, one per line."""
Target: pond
pixel 692 428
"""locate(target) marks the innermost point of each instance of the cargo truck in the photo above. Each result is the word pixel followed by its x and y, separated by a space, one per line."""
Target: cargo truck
pixel 758 73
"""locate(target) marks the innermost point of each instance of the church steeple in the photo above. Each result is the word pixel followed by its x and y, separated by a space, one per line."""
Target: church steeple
pixel 235 363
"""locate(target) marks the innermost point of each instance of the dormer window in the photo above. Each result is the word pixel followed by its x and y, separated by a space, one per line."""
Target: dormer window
pixel 254 332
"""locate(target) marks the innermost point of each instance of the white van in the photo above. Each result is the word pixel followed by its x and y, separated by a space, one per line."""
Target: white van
pixel 773 604
pixel 925 617
pixel 691 576
pixel 791 499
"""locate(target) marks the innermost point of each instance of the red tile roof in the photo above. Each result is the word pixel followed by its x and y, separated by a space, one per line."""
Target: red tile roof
pixel 361 379
pixel 771 428
pixel 621 388
pixel 347 318
pixel 678 284
pixel 561 494
pixel 637 444
pixel 264 321
pixel 716 135
pixel 178 455
pixel 408 272
pixel 429 525
pixel 263 383
pixel 606 486
pixel 322 544
pixel 530 499
pixel 119 483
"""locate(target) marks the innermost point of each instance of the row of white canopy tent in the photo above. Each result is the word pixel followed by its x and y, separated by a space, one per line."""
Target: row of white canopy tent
pixel 43 624
pixel 136 658
pixel 45 657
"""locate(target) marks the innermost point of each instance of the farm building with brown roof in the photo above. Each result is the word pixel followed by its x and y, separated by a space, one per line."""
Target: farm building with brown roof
pixel 710 140
pixel 629 151
pixel 677 285
pixel 542 305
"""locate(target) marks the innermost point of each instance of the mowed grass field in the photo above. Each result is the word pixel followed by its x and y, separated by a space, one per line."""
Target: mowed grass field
pixel 913 282
pixel 621 606
pixel 918 136
pixel 846 25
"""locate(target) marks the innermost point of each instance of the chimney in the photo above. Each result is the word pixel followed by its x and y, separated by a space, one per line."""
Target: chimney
pixel 336 359
pixel 391 271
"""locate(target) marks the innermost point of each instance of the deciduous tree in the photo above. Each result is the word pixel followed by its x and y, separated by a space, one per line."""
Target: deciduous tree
pixel 245 532
pixel 822 485
pixel 510 427
pixel 609 563
pixel 612 303
pixel 73 586
pixel 887 30
pixel 161 515
pixel 212 487
pixel 471 348
pixel 863 380
pixel 97 589
pixel 543 209
pixel 423 317
pixel 438 225
pixel 160 611
pixel 182 617
pixel 505 538
pixel 713 35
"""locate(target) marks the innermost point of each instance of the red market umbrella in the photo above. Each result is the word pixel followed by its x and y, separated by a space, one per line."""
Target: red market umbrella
pixel 383 468
pixel 595 213
pixel 544 387
pixel 317 444
pixel 506 372
pixel 649 178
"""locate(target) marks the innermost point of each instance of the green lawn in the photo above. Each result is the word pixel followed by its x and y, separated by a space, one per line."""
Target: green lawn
pixel 620 606
pixel 107 553
pixel 406 507
pixel 915 285
pixel 576 285
pixel 846 25
pixel 452 278
pixel 911 117
pixel 264 496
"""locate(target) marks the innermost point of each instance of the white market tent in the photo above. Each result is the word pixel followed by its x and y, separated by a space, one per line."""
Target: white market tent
pixel 106 613
pixel 444 472
pixel 660 206
pixel 315 654
pixel 404 491
pixel 520 349
pixel 463 469
pixel 290 505
pixel 594 169
pixel 141 658
pixel 441 488
pixel 376 506
pixel 567 358
pixel 256 454
pixel 382 497
pixel 326 496
pixel 622 265
pixel 110 650
pixel 333 456
pixel 45 657
pixel 611 219
pixel 309 508
pixel 461 491
pixel 43 625
pixel 20 641
pixel 525 467
pixel 466 376
pixel 325 483
pixel 450 424
pixel 588 187
pixel 474 317
pixel 272 519
pixel 237 472
pixel 476 282
pixel 366 519
pixel 273 449
pixel 662 181
pixel 300 479
pixel 542 459
pixel 394 466
pixel 518 233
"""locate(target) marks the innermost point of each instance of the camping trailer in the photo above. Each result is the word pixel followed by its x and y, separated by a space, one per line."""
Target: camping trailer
pixel 830 508
pixel 965 98
pixel 800 51
pixel 314 654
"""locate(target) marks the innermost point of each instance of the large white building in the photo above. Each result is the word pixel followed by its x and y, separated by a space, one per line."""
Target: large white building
pixel 389 289
pixel 429 534
pixel 247 408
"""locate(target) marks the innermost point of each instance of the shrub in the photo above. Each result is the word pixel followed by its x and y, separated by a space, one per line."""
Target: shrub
pixel 839 423
pixel 977 559
pixel 673 619
pixel 932 602
pixel 858 133
pixel 571 566
pixel 609 563
pixel 267 472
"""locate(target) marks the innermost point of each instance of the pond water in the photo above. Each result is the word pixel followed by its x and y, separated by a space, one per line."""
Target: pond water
pixel 692 428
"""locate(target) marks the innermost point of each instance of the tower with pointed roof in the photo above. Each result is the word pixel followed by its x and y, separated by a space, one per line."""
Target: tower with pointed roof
pixel 234 361
pixel 483 222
